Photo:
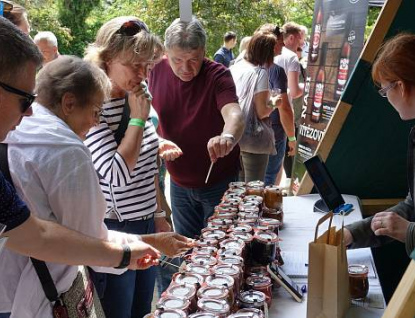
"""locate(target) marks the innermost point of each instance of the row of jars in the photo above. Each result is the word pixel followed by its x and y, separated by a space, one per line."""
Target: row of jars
pixel 177 313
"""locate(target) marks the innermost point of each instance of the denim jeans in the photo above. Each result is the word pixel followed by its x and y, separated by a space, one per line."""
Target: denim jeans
pixel 130 294
pixel 5 315
pixel 275 162
pixel 192 207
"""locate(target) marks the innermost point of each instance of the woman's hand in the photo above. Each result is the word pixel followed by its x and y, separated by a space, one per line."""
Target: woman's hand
pixel 390 224
pixel 161 225
pixel 143 256
pixel 169 243
pixel 169 151
pixel 139 102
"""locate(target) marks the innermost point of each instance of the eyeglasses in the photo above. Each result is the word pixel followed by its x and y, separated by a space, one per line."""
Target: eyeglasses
pixel 28 98
pixel 383 91
pixel 5 7
pixel 131 28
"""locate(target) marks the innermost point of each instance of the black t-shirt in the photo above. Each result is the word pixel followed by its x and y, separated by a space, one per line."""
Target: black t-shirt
pixel 13 211
pixel 277 79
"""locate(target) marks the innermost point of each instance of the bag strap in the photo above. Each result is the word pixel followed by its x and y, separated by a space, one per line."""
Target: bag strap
pixel 120 132
pixel 321 221
pixel 40 266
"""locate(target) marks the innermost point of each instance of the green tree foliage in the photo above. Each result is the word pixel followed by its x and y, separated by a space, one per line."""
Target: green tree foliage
pixel 75 22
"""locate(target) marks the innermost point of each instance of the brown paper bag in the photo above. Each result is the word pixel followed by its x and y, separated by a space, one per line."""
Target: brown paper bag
pixel 328 278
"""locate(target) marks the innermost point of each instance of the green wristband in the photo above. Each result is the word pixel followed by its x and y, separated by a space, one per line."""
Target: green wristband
pixel 137 122
pixel 292 138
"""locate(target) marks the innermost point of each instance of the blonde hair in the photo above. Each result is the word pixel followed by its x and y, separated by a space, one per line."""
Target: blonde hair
pixel 110 44
pixel 71 74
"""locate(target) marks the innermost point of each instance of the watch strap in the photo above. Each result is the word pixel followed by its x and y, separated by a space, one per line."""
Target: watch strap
pixel 126 257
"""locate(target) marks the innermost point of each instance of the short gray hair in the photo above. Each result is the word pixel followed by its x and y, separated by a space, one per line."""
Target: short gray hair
pixel 185 35
pixel 46 36
pixel 70 74
pixel 17 49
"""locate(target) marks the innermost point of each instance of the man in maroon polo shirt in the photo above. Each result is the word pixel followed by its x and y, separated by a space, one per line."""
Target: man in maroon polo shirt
pixel 199 111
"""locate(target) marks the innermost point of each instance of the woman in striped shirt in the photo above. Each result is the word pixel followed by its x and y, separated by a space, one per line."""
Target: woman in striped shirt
pixel 125 157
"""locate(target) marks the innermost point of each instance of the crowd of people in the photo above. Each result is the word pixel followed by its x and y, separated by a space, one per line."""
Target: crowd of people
pixel 80 172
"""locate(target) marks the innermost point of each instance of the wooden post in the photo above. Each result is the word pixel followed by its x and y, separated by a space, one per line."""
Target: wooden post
pixel 402 304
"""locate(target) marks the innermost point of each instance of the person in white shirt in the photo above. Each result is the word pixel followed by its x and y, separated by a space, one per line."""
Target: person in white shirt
pixel 53 171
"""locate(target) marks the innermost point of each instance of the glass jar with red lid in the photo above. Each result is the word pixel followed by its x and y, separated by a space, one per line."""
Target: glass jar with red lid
pixel 169 313
pixel 276 214
pixel 231 270
pixel 215 292
pixel 256 313
pixel 214 234
pixel 241 228
pixel 255 198
pixel 231 259
pixel 248 215
pixel 172 302
pixel 229 251
pixel 222 221
pixel 222 280
pixel 263 284
pixel 232 243
pixel 203 242
pixel 273 197
pixel 251 299
pixel 188 278
pixel 249 206
pixel 251 221
pixel 185 291
pixel 226 207
pixel 200 269
pixel 275 224
pixel 203 314
pixel 218 307
pixel 209 250
pixel 237 184
pixel 264 247
pixel 203 259
pixel 235 192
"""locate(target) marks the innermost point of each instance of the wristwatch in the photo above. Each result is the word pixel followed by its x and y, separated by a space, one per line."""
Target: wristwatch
pixel 229 136
pixel 126 257
pixel 161 214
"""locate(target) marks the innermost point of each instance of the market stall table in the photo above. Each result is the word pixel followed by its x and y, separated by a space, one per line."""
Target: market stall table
pixel 297 233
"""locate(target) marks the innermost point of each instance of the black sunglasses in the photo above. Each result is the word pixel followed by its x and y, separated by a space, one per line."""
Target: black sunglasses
pixel 131 28
pixel 5 7
pixel 277 31
pixel 27 102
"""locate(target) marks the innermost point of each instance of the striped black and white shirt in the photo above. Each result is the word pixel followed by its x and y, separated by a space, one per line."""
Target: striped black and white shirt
pixel 129 195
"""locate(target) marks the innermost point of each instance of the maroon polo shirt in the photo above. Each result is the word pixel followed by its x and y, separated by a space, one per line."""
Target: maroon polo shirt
pixel 190 114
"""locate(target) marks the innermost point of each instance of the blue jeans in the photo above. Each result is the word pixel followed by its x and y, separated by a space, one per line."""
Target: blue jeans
pixel 192 207
pixel 130 294
pixel 275 162
pixel 5 315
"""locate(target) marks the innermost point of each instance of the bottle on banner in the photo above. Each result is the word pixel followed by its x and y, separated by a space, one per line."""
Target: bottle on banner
pixel 319 87
pixel 316 35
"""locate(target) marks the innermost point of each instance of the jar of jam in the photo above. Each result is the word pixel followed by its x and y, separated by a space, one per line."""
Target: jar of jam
pixel 214 234
pixel 203 314
pixel 229 251
pixel 237 184
pixel 257 313
pixel 231 259
pixel 185 291
pixel 188 278
pixel 258 271
pixel 241 228
pixel 264 247
pixel 171 302
pixel 248 215
pixel 169 313
pixel 235 192
pixel 215 292
pixel 273 223
pixel 255 198
pixel 231 201
pixel 224 222
pixel 273 197
pixel 227 207
pixel 252 299
pixel 219 307
pixel 203 242
pixel 209 250
pixel 200 269
pixel 203 259
pixel 263 284
pixel 358 281
pixel 232 243
pixel 231 270
pixel 249 206
pixel 251 221
pixel 274 214
pixel 244 315
pixel 222 280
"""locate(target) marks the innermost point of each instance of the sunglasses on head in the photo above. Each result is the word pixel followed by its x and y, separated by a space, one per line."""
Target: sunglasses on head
pixel 277 31
pixel 28 98
pixel 5 7
pixel 131 28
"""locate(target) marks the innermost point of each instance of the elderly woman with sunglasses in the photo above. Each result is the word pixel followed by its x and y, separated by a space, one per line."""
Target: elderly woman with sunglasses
pixel 394 72
pixel 124 148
